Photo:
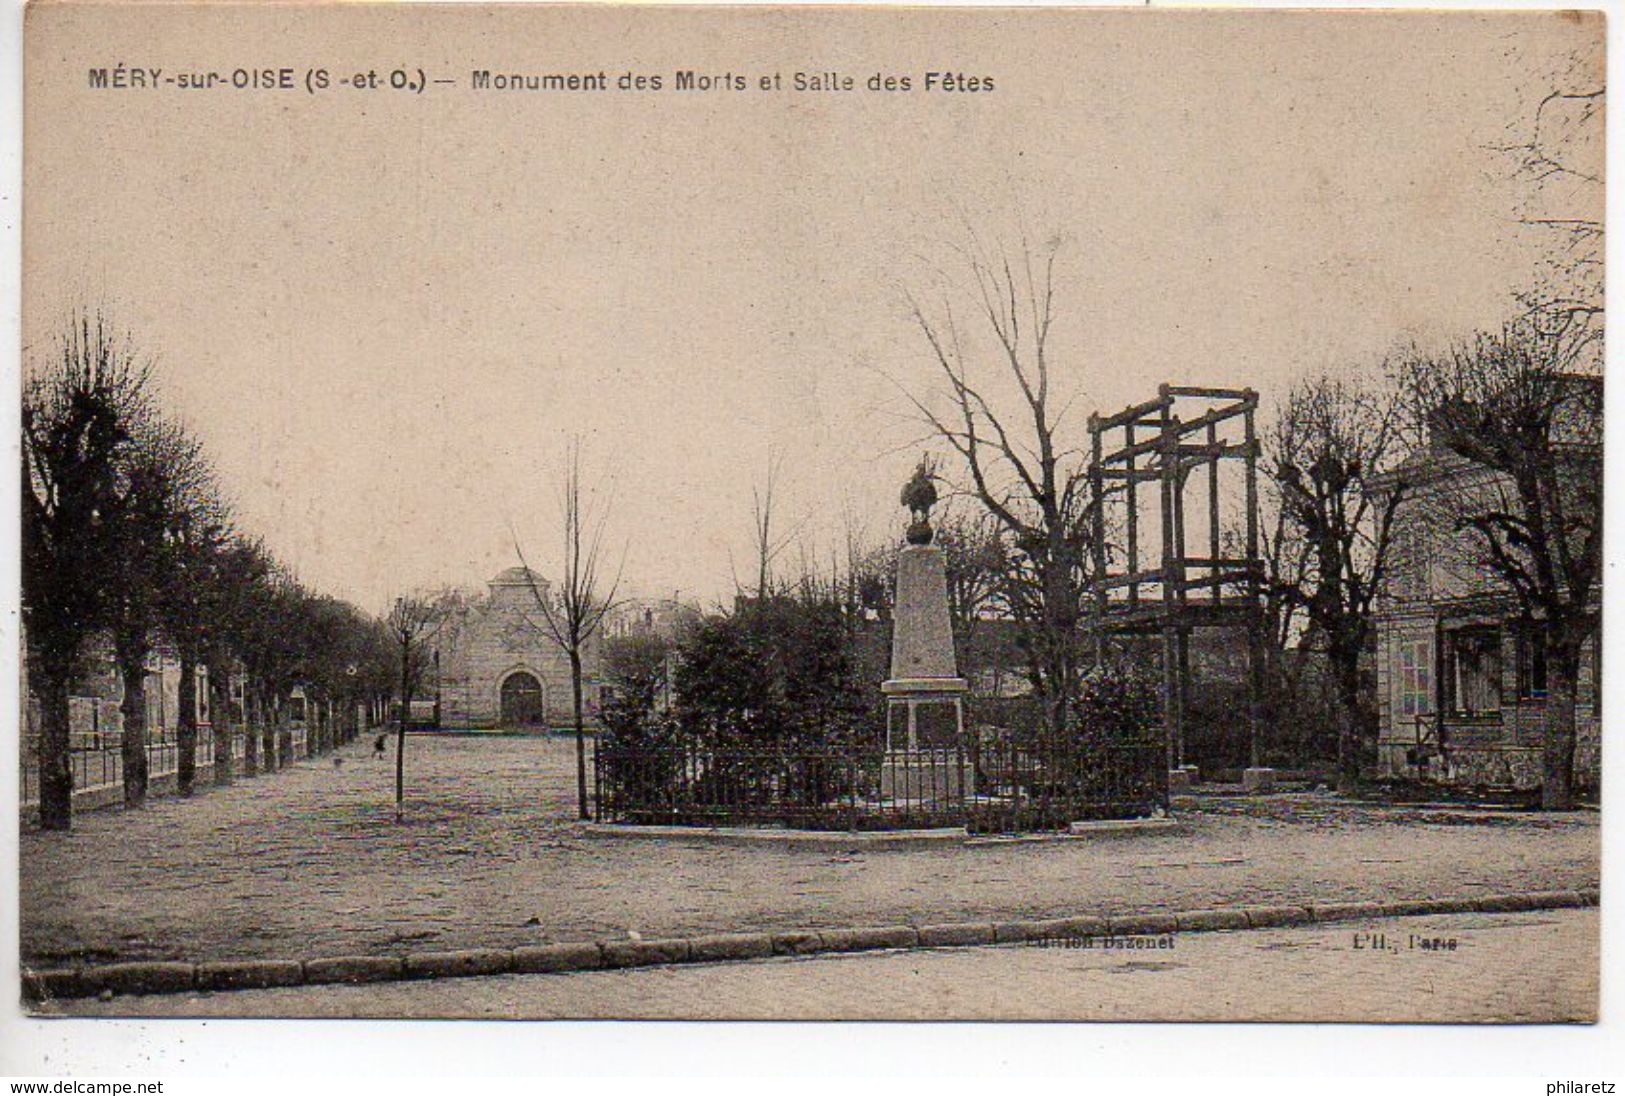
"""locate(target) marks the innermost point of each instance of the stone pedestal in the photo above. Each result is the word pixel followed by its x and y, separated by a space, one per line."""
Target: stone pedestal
pixel 1258 781
pixel 925 710
pixel 1179 781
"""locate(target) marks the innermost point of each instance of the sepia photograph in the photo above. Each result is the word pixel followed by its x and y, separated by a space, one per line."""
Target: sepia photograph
pixel 620 512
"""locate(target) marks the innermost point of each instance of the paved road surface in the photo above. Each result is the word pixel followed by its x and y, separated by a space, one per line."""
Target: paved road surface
pixel 1536 967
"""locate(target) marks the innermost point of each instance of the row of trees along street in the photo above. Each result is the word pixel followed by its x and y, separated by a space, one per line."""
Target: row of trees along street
pixel 127 535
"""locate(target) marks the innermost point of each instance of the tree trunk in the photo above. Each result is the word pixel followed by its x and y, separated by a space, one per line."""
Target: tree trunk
pixel 581 736
pixel 267 733
pixel 186 727
pixel 1346 676
pixel 400 735
pixel 133 671
pixel 1558 732
pixel 55 759
pixel 220 711
pixel 251 733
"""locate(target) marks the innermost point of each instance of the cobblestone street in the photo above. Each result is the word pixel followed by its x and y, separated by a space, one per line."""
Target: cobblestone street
pixel 1504 968
pixel 309 862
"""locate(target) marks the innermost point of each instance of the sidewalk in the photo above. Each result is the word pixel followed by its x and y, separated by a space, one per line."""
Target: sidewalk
pixel 311 863
pixel 1507 968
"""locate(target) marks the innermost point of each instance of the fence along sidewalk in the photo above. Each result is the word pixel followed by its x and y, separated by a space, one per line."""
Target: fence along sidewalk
pixel 98 767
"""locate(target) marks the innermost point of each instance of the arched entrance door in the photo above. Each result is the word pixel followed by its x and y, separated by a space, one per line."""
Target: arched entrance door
pixel 522 700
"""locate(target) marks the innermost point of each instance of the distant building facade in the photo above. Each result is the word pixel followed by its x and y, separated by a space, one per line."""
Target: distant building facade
pixel 498 666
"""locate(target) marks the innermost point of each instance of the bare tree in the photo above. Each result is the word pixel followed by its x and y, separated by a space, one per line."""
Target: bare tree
pixel 977 566
pixel 1033 485
pixel 767 543
pixel 77 415
pixel 1555 152
pixel 572 612
pixel 1333 443
pixel 413 623
pixel 1286 557
pixel 1515 406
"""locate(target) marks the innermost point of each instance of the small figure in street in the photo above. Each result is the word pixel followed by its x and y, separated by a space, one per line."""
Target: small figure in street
pixel 338 763
pixel 378 745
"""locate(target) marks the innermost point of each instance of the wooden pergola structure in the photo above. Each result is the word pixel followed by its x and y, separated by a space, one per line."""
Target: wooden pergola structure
pixel 1184 438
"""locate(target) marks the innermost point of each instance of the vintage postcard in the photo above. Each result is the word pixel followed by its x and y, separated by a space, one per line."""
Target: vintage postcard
pixel 849 513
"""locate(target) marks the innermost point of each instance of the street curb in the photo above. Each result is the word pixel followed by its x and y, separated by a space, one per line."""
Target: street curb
pixel 814 840
pixel 870 840
pixel 44 986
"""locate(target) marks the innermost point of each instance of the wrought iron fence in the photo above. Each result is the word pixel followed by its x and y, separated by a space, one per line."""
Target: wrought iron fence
pixel 102 766
pixel 1027 786
pixel 989 787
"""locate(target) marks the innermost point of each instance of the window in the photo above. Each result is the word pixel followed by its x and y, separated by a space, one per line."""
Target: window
pixel 1474 671
pixel 1532 664
pixel 1415 673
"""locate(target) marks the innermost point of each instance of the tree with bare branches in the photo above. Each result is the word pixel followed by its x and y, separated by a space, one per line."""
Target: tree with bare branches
pixel 1334 454
pixel 78 413
pixel 767 542
pixel 1556 156
pixel 1518 407
pixel 572 611
pixel 1033 485
pixel 1286 557
pixel 413 623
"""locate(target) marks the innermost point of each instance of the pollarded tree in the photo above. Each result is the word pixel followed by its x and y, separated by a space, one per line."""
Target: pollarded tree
pixel 337 641
pixel 1334 450
pixel 77 414
pixel 245 636
pixel 239 565
pixel 165 472
pixel 271 651
pixel 196 534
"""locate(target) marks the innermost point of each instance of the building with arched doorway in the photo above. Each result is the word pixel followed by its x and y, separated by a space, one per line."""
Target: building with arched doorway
pixel 499 667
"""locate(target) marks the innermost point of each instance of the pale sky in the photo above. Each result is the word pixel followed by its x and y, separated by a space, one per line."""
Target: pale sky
pixel 386 314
